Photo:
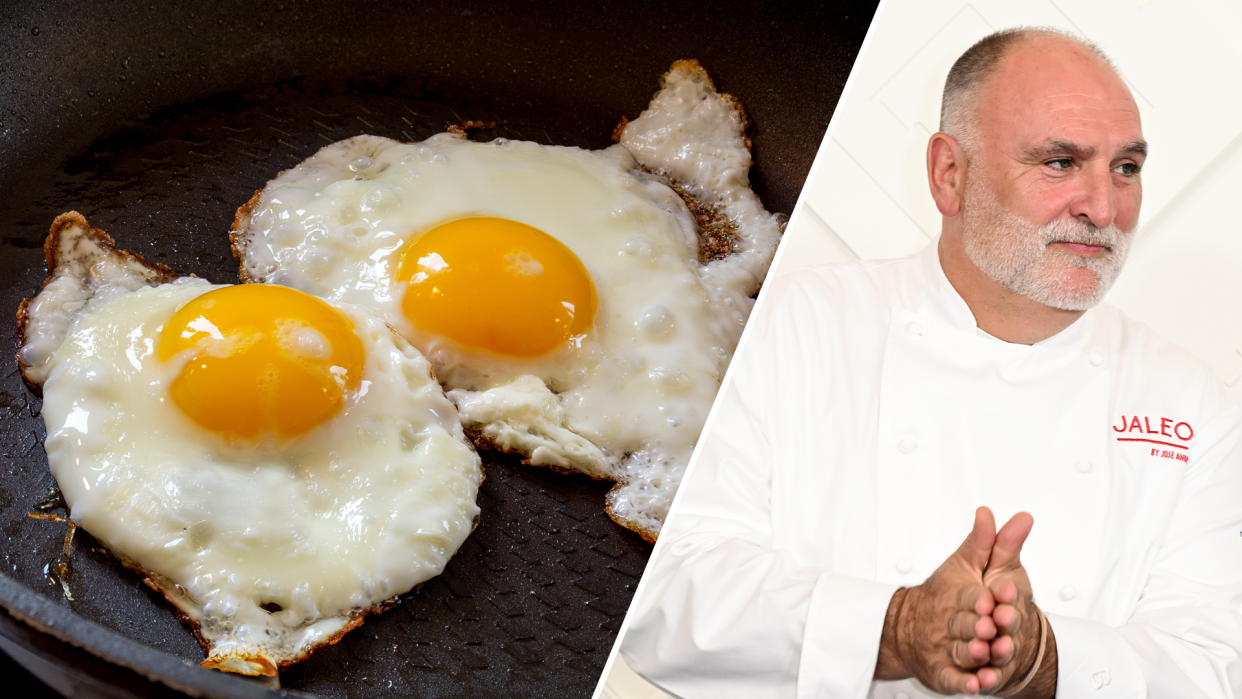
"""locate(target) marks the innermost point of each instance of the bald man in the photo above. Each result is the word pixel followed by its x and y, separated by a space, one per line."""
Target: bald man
pixel 879 412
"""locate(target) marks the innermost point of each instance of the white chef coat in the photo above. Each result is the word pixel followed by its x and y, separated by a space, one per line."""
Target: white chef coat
pixel 865 420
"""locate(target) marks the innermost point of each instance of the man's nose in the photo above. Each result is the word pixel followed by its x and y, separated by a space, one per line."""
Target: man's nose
pixel 1095 201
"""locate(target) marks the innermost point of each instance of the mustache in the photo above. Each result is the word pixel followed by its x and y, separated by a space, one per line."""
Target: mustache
pixel 1111 237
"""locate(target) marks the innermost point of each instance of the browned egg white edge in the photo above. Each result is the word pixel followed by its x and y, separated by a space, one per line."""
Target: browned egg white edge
pixel 717 236
pixel 256 665
pixel 68 221
pixel 717 232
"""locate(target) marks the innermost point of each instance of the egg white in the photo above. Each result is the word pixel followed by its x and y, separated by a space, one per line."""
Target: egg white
pixel 325 526
pixel 642 380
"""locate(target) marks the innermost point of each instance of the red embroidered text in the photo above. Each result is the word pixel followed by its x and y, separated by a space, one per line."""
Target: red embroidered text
pixel 1155 430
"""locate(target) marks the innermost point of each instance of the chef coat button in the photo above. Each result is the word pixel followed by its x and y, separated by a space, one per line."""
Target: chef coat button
pixel 1100 678
pixel 1083 466
pixel 904 565
pixel 1095 358
pixel 1069 592
pixel 907 445
pixel 914 329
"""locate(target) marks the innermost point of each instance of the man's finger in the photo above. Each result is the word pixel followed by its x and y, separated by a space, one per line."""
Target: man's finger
pixel 989 677
pixel 968 655
pixel 985 628
pixel 1007 619
pixel 955 681
pixel 978 598
pixel 977 548
pixel 985 604
pixel 1008 541
pixel 980 651
pixel 1004 591
pixel 1002 651
pixel 963 625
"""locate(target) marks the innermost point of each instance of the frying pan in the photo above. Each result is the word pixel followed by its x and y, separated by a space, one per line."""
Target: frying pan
pixel 158 121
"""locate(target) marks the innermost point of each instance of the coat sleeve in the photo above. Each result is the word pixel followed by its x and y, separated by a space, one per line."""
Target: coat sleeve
pixel 723 613
pixel 1184 638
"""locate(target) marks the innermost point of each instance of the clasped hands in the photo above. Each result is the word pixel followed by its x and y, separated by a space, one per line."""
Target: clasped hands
pixel 972 625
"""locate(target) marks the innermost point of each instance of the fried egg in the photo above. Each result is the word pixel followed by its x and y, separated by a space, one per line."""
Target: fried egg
pixel 561 294
pixel 275 465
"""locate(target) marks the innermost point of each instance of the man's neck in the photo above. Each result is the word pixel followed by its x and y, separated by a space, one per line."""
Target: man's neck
pixel 998 311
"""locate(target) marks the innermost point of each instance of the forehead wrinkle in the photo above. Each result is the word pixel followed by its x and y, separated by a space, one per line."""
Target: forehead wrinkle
pixel 1088 102
pixel 1091 108
pixel 1095 96
pixel 1084 112
pixel 1122 119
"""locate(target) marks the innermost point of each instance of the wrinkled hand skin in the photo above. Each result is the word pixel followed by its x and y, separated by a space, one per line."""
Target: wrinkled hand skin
pixel 941 630
pixel 1016 644
pixel 972 626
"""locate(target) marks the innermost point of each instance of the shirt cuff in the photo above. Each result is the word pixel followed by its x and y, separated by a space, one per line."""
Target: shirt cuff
pixel 1094 661
pixel 842 637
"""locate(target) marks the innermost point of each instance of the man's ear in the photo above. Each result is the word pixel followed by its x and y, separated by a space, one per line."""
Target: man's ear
pixel 946 173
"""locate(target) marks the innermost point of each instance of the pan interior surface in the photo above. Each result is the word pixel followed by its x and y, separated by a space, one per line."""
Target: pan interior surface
pixel 157 124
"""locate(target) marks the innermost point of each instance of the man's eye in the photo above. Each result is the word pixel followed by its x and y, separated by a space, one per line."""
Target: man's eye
pixel 1061 163
pixel 1128 168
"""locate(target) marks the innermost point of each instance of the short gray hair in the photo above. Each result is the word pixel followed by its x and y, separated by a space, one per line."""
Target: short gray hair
pixel 973 68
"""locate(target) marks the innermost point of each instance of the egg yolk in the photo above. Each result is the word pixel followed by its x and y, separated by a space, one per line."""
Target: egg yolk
pixel 265 359
pixel 498 285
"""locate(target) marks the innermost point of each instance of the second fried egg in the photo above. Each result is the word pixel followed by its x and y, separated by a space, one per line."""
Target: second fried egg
pixel 558 292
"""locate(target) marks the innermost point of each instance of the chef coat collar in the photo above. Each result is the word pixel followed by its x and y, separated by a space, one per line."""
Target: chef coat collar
pixel 942 303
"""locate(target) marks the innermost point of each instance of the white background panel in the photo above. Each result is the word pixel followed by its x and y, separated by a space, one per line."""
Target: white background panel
pixel 867 197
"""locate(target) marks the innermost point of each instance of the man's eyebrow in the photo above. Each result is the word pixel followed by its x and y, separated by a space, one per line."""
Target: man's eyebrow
pixel 1053 149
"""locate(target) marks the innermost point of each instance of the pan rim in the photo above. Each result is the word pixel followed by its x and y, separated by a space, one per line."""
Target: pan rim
pixel 45 617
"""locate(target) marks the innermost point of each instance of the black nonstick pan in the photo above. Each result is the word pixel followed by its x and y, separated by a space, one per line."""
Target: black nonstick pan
pixel 157 121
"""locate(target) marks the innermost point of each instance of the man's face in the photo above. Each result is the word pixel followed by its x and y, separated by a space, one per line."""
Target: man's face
pixel 1052 187
pixel 1038 262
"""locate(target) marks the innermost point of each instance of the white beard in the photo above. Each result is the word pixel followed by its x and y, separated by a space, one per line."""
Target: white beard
pixel 1017 254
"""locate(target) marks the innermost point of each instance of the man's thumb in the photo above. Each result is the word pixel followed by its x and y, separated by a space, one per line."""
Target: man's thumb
pixel 979 543
pixel 1009 541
